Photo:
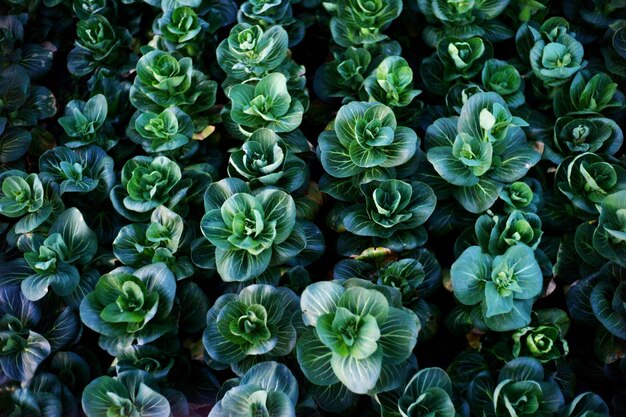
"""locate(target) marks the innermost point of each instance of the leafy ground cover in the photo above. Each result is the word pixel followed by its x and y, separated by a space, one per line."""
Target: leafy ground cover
pixel 307 208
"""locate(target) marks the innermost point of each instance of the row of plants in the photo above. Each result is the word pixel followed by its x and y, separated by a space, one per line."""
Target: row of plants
pixel 304 208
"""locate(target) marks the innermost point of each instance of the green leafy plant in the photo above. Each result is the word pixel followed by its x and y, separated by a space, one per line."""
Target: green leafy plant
pixel 502 288
pixel 250 327
pixel 356 338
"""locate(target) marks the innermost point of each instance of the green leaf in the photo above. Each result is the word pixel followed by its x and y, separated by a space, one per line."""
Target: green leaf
pixel 315 359
pixel 359 375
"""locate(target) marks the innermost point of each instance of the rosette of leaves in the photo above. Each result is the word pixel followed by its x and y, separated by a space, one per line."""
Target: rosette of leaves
pixel 463 19
pixel 146 184
pixel 268 13
pixel 131 393
pixel 520 196
pixel 359 22
pixel 357 340
pixel 428 393
pixel 417 276
pixel 248 233
pixel 87 171
pixel 268 104
pixel 148 358
pixel 609 238
pixel 131 307
pixel 556 56
pixel 141 244
pixel 391 83
pixel 24 103
pixel 522 389
pixel 85 123
pixel 21 349
pixel 181 29
pixel 392 213
pixel 501 288
pixel 164 132
pixel 252 52
pixel 588 95
pixel 52 259
pixel 544 340
pixel 251 327
pixel 27 197
pixel 268 388
pixel 480 151
pixel 265 160
pixel 165 81
pixel 456 60
pixel 504 79
pixel 495 234
pixel 576 135
pixel 344 75
pixel 587 179
pixel 365 143
pixel 99 45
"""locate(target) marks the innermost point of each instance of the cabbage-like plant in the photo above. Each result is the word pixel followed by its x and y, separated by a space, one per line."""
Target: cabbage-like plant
pixel 69 241
pixel 268 389
pixel 99 45
pixel 393 210
pixel 131 307
pixel 166 131
pixel 343 77
pixel 360 22
pixel 165 81
pixel 85 123
pixel 265 160
pixel 141 244
pixel 464 18
pixel 501 288
pixel 87 171
pixel 146 184
pixel 588 95
pixel 355 337
pixel 131 393
pixel 21 194
pixel 504 79
pixel 391 83
pixel 495 234
pixel 27 197
pixel 428 393
pixel 268 104
pixel 576 135
pixel 556 56
pixel 587 179
pixel 181 27
pixel 250 232
pixel 456 60
pixel 522 389
pixel 251 52
pixel 480 151
pixel 416 276
pixel 267 13
pixel 21 348
pixel 609 238
pixel 519 196
pixel 365 140
pixel 544 340
pixel 251 327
